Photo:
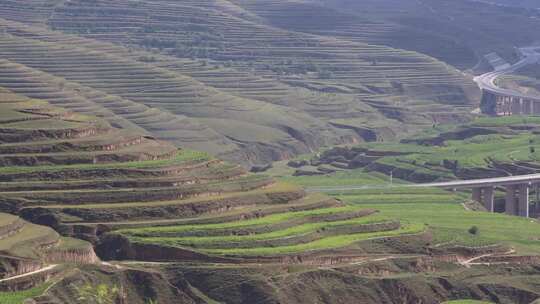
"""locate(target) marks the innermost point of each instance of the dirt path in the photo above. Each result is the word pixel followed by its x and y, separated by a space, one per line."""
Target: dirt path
pixel 470 262
pixel 44 269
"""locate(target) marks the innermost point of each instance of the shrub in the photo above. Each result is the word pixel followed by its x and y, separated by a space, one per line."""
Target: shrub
pixel 473 230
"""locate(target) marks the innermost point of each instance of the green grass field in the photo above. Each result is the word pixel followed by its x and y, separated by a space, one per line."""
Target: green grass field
pixel 442 152
pixel 18 297
pixel 442 212
pixel 322 244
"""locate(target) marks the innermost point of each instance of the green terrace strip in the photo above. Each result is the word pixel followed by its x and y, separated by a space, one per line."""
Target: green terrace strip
pixel 450 222
pixel 331 242
pixel 450 237
pixel 236 182
pixel 506 121
pixel 351 177
pixel 397 195
pixel 483 147
pixel 18 297
pixel 180 158
pixel 290 232
pixel 267 220
pixel 309 202
pixel 275 188
pixel 466 302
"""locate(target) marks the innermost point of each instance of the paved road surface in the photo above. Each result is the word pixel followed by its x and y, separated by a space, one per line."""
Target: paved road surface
pixel 486 81
pixel 496 181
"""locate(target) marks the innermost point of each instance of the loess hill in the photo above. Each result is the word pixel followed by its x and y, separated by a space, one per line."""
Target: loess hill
pixel 140 200
pixel 221 77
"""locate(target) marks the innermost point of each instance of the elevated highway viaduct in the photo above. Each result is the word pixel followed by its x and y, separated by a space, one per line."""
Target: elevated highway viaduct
pixel 517 188
pixel 498 101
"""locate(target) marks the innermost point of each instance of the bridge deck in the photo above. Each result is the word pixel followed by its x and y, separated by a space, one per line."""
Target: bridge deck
pixel 486 182
pixel 460 184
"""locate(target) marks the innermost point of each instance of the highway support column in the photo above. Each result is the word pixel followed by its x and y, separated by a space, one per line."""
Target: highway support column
pixel 523 200
pixel 510 206
pixel 488 198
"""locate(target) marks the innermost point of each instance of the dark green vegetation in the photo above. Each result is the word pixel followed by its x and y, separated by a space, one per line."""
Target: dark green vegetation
pixel 19 296
pixel 218 76
pixel 484 147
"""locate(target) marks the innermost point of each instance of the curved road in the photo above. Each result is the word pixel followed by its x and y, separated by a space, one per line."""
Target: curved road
pixel 486 81
pixel 530 55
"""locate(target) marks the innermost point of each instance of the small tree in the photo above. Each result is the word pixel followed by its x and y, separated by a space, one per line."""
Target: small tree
pixel 473 230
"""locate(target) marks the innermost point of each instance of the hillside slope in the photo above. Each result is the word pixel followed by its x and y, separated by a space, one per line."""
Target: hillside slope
pixel 453 31
pixel 196 73
pixel 180 223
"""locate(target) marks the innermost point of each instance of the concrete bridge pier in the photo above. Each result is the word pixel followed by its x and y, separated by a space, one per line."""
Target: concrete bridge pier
pixel 488 198
pixel 510 206
pixel 499 104
pixel 523 200
pixel 516 199
pixel 477 194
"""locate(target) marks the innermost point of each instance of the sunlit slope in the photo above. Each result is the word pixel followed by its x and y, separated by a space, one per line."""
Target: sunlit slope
pixel 163 102
pixel 129 193
pixel 208 69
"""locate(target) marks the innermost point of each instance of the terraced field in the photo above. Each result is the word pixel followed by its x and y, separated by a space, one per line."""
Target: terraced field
pixel 131 195
pixel 140 200
pixel 459 32
pixel 29 255
pixel 195 73
pixel 485 147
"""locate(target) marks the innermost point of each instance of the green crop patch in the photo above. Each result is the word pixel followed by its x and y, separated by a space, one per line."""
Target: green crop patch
pixel 180 158
pixel 18 297
pixel 450 223
pixel 466 302
pixel 293 231
pixel 332 242
pixel 267 220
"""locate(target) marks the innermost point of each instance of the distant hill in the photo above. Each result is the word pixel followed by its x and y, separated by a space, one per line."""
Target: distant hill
pixel 453 31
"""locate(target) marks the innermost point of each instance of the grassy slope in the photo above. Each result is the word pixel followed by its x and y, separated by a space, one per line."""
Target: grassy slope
pixel 444 214
pixel 475 152
pixel 18 297
pixel 441 210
